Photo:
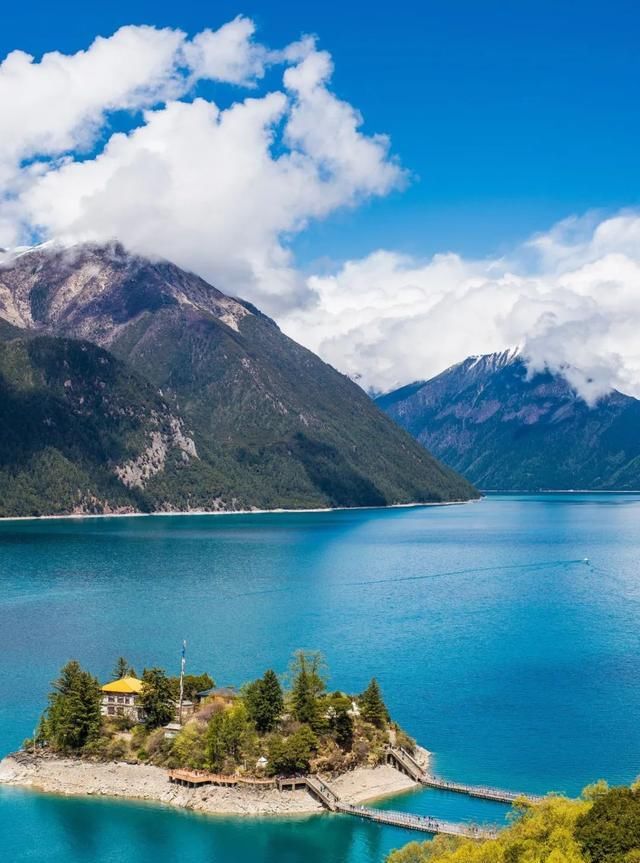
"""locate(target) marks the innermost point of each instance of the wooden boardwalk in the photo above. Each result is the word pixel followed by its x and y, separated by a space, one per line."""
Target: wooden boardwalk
pixel 198 778
pixel 404 761
pixel 422 823
pixel 401 760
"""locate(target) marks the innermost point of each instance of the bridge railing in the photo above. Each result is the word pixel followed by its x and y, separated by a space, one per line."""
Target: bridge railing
pixel 424 823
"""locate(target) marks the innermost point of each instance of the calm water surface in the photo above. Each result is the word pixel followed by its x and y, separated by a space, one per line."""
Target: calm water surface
pixel 497 646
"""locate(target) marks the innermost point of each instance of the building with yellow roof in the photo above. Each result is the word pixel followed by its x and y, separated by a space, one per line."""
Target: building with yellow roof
pixel 122 698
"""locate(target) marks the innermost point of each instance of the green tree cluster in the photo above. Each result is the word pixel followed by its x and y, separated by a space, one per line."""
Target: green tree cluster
pixel 610 831
pixel 228 735
pixel 303 727
pixel 192 685
pixel 72 719
pixel 292 754
pixel 265 701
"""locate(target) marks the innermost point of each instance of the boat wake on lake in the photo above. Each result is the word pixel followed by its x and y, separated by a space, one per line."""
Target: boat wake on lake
pixel 515 567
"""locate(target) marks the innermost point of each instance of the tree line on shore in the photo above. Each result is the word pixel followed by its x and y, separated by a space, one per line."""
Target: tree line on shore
pixel 285 729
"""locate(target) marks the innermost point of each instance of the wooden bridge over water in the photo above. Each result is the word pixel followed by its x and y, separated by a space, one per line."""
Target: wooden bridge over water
pixel 406 763
pixel 398 758
pixel 319 789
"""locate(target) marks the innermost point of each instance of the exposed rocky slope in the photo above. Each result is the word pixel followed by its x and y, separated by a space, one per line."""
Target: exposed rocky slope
pixel 79 430
pixel 505 431
pixel 230 413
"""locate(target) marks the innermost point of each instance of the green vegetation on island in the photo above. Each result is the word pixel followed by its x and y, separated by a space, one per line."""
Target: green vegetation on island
pixel 264 728
pixel 602 826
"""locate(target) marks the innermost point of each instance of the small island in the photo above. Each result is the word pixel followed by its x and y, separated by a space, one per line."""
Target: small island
pixel 263 749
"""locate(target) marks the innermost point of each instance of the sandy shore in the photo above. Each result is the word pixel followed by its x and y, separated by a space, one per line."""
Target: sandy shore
pixel 71 776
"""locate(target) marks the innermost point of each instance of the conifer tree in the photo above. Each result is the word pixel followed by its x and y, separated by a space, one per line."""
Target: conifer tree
pixel 342 724
pixel 122 669
pixel 72 718
pixel 308 686
pixel 265 701
pixel 372 707
pixel 156 698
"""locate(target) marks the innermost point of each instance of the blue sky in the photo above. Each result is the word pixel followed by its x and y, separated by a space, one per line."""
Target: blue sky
pixel 509 116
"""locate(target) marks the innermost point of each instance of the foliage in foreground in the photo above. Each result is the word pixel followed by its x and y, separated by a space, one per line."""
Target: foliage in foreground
pixel 602 826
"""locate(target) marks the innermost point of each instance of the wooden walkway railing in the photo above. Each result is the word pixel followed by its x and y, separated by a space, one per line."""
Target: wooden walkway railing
pixel 422 823
pixel 197 778
pixel 405 762
pixel 318 788
pixel 402 760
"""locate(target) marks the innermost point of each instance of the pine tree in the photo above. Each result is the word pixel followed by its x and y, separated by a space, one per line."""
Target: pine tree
pixel 156 698
pixel 265 701
pixel 372 707
pixel 273 697
pixel 308 686
pixel 342 726
pixel 122 669
pixel 72 718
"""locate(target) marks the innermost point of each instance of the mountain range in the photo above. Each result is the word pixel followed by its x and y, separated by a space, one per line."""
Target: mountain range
pixel 129 384
pixel 505 429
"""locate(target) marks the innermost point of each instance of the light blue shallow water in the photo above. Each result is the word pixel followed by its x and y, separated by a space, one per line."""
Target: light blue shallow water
pixel 497 647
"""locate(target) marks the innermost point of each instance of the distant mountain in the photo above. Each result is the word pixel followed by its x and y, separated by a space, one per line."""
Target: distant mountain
pixel 505 431
pixel 147 388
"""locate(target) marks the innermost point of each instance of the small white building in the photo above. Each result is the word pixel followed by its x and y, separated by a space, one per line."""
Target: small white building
pixel 172 730
pixel 355 710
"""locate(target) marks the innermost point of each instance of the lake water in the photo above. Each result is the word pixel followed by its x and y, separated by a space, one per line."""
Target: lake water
pixel 496 645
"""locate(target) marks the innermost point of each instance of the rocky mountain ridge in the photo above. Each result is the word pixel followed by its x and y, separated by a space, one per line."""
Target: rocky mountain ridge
pixel 248 418
pixel 505 429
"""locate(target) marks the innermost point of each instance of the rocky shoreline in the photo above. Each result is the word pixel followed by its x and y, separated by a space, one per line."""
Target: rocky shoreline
pixel 78 777
pixel 128 512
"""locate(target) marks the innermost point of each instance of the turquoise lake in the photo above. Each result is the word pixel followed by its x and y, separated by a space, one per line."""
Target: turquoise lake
pixel 497 646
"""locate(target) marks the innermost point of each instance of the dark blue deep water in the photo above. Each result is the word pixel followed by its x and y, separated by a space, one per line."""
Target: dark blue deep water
pixel 498 647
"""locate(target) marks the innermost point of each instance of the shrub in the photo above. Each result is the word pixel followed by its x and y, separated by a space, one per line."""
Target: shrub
pixel 610 831
pixel 292 754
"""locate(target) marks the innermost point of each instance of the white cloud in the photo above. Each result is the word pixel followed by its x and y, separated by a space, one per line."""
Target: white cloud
pixel 222 190
pixel 217 190
pixel 228 54
pixel 570 298
pixel 59 103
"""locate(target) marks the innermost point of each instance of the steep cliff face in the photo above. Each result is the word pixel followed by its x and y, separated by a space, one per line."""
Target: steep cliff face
pixel 250 418
pixel 506 430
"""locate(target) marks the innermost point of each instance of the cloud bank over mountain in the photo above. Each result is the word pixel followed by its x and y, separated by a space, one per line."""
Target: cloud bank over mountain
pixel 215 150
pixel 216 189
pixel 570 298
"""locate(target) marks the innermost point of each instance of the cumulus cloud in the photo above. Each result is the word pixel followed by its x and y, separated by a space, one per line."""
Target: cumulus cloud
pixel 228 54
pixel 220 187
pixel 570 298
pixel 218 190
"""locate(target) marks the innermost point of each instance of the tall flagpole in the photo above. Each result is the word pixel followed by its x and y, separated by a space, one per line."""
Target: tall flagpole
pixel 182 665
